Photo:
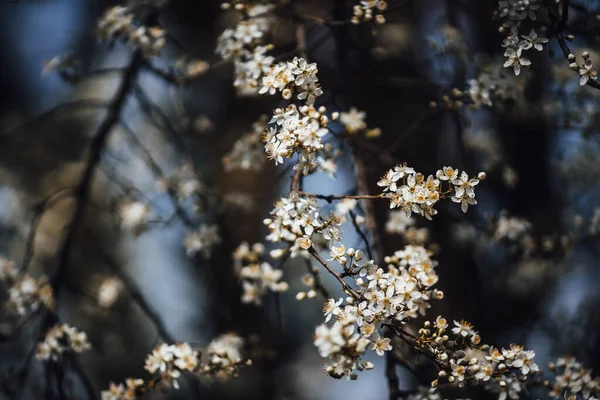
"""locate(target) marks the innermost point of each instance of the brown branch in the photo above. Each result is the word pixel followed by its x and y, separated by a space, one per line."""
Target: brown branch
pixel 412 127
pixel 137 296
pixel 172 78
pixel 347 288
pixel 295 184
pixel 83 190
pixel 392 375
pixel 97 146
pixel 560 24
pixel 318 285
pixel 71 106
pixel 323 21
pixel 330 198
pixel 363 187
pixel 158 173
pixel 361 234
pixel 38 212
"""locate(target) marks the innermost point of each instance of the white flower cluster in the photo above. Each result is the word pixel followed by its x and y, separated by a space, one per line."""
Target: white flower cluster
pixel 242 45
pixel 586 71
pixel 257 276
pixel 343 346
pixel 236 201
pixel 109 291
pixel 296 76
pixel 324 162
pixel 296 221
pixel 134 216
pixel 310 281
pixel 572 381
pixel 486 143
pixel 118 23
pixel 593 229
pixel 202 240
pixel 462 359
pixel 493 85
pixel 299 129
pixel 514 48
pixel 168 361
pixel 128 391
pixel 8 270
pixel 363 12
pixel 184 183
pixel 248 152
pixel 511 228
pixel 382 298
pixel 296 130
pixel 425 393
pixel 417 194
pixel 354 122
pixel 61 339
pixel 224 355
pixel 344 207
pixel 399 224
pixel 25 293
pixel 512 12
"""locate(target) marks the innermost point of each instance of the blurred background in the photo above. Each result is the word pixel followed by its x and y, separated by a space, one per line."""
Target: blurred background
pixel 539 149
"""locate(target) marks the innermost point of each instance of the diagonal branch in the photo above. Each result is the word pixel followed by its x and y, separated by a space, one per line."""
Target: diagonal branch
pixel 97 146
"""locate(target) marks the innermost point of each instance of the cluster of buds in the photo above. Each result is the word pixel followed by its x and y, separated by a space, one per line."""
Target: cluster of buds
pixel 257 276
pixel 118 23
pixel 369 11
pixel 457 98
pixel 60 340
pixel 586 71
pixel 419 195
pixel 25 293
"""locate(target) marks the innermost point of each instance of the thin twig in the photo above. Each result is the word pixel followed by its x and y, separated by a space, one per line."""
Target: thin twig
pixel 347 288
pixel 330 198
